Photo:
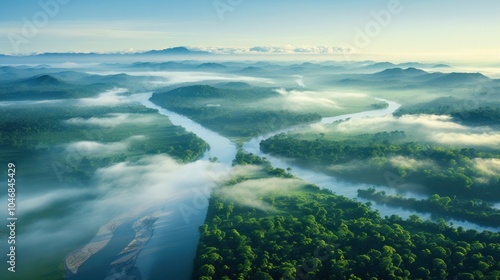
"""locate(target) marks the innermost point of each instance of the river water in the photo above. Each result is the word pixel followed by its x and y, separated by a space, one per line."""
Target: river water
pixel 169 254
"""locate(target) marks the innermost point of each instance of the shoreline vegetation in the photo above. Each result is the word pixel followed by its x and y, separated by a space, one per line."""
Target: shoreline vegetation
pixel 231 112
pixel 262 223
pixel 305 232
pixel 475 211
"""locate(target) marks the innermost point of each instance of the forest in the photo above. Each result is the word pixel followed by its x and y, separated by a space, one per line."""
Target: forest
pixel 476 111
pixel 41 132
pixel 445 207
pixel 308 233
pixel 232 112
pixel 456 174
pixel 47 87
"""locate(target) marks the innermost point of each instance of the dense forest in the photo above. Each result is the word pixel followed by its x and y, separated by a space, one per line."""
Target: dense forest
pixel 475 111
pixel 37 134
pixel 308 233
pixel 47 87
pixel 474 210
pixel 442 170
pixel 232 112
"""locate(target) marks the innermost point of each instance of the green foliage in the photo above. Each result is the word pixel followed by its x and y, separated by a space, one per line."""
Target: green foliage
pixel 46 87
pixel 36 135
pixel 476 211
pixel 314 234
pixel 243 158
pixel 476 111
pixel 232 112
pixel 36 128
pixel 456 174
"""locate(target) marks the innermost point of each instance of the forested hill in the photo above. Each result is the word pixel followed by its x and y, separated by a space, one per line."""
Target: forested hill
pixel 46 87
pixel 233 109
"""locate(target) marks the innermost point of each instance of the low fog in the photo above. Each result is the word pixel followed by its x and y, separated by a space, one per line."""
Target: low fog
pixel 96 148
pixel 438 129
pixel 250 193
pixel 125 189
pixel 304 100
pixel 113 120
pixel 172 77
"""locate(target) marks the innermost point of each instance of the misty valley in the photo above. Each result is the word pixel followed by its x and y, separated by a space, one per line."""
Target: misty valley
pixel 252 170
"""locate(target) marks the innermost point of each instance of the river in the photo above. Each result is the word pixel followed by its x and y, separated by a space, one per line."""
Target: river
pixel 170 252
pixel 225 151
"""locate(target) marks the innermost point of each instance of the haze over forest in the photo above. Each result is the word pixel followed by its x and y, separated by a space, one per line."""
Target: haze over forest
pixel 250 140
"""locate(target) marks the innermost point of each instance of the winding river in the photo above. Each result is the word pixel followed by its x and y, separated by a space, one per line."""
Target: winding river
pixel 172 247
pixel 225 151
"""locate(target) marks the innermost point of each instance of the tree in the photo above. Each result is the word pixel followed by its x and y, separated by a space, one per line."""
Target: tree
pixel 207 270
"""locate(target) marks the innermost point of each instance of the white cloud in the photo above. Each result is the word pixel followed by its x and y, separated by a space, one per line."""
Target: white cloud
pixel 490 166
pixel 287 49
pixel 410 123
pixel 491 139
pixel 488 169
pixel 120 192
pixel 95 148
pixel 302 100
pixel 411 163
pixel 249 193
pixel 113 119
pixel 173 77
pixel 300 81
pixel 110 97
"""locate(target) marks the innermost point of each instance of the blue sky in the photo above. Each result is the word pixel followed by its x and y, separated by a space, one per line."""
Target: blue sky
pixel 416 30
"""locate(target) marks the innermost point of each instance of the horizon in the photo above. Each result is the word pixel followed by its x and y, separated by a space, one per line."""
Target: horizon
pixel 392 30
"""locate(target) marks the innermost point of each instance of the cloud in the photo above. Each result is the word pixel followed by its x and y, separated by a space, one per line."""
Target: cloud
pixel 118 192
pixel 287 49
pixel 411 163
pixel 405 122
pixel 432 128
pixel 250 193
pixel 488 169
pixel 110 97
pixel 38 202
pixel 491 139
pixel 302 100
pixel 96 148
pixel 172 78
pixel 113 119
pixel 300 81
pixel 155 179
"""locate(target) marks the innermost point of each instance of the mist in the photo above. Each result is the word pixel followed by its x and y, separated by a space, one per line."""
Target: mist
pixel 250 193
pixel 113 120
pixel 117 193
pixel 439 129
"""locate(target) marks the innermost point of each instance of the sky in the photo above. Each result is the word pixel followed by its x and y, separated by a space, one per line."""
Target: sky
pixel 395 30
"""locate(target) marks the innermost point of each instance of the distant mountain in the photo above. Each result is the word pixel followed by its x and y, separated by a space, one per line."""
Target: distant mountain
pixel 234 85
pixel 109 79
pixel 72 76
pixel 47 87
pixel 413 65
pixel 170 51
pixel 460 78
pixel 211 66
pixel 379 66
pixel 43 80
pixel 153 66
pixel 441 66
pixel 71 54
pixel 175 51
pixel 252 70
pixel 398 72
